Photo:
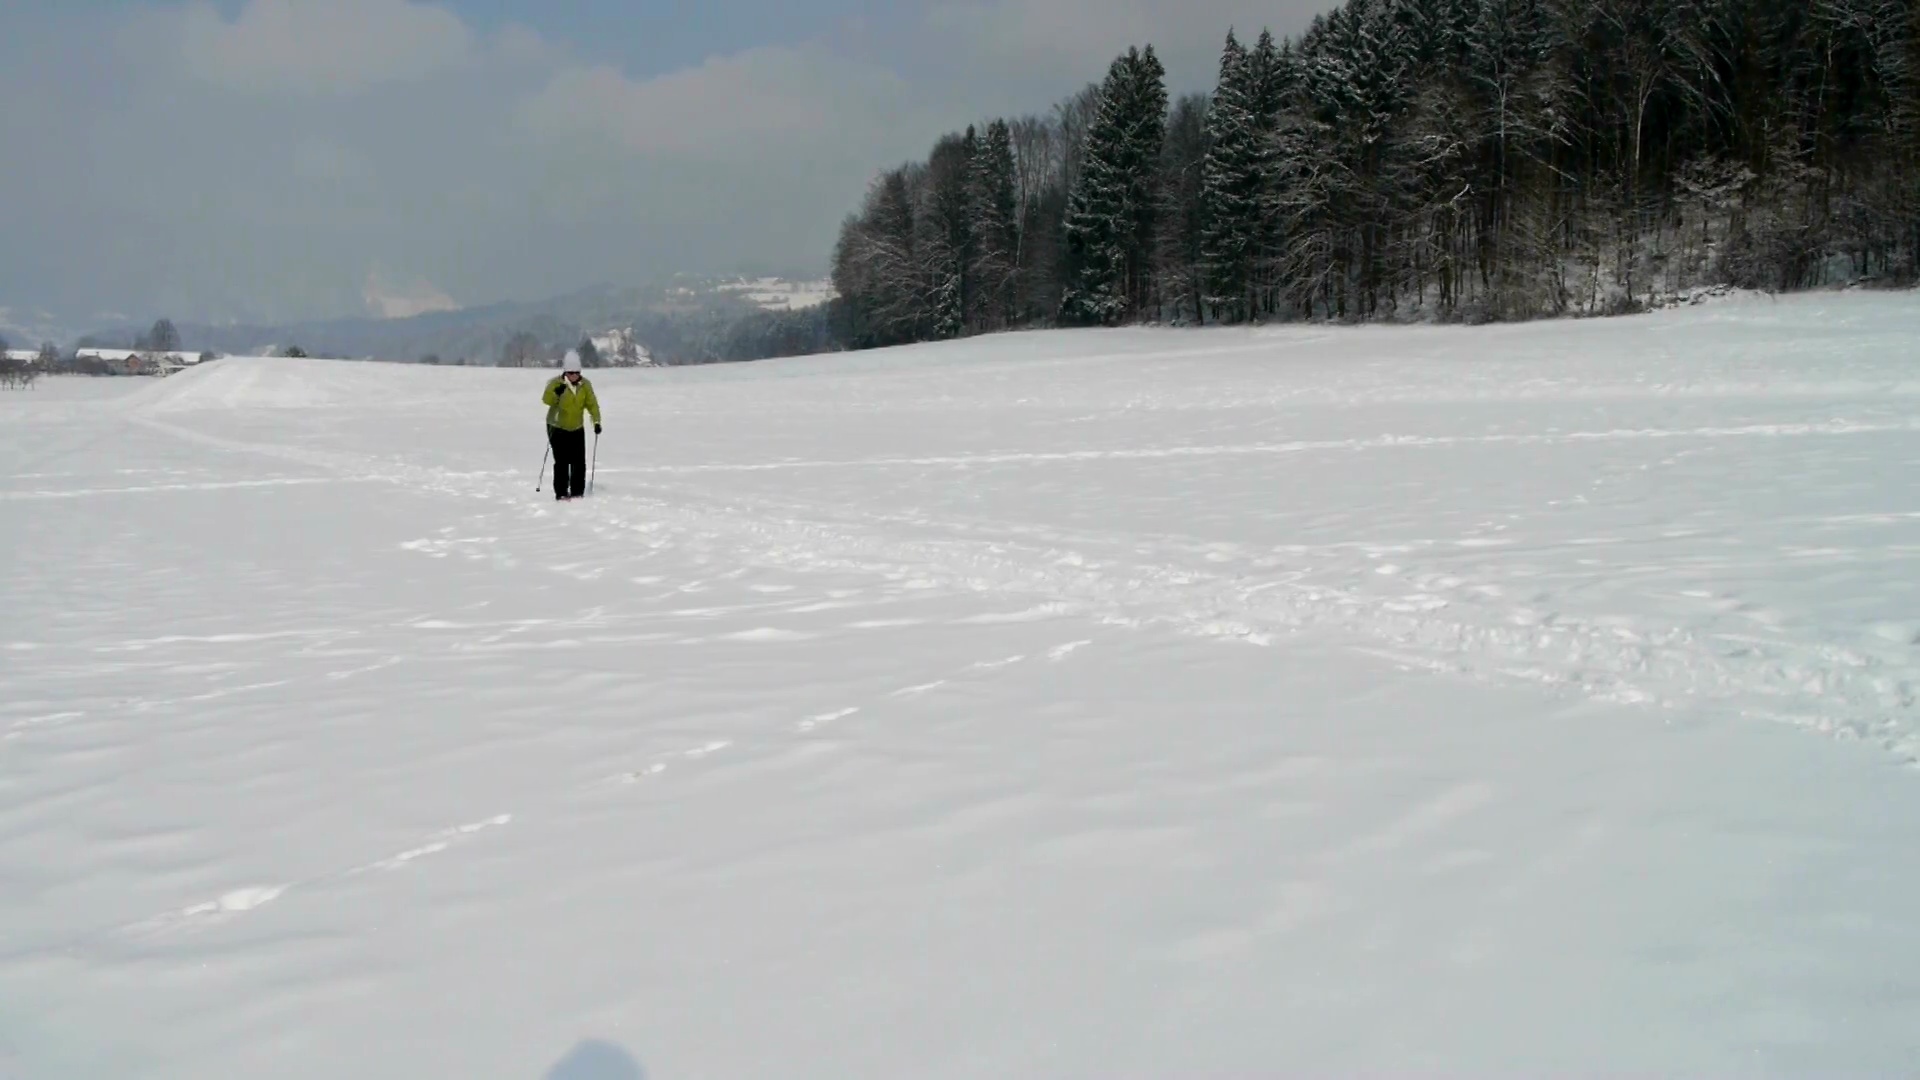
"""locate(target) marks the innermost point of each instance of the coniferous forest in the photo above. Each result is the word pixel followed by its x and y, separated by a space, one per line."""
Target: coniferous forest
pixel 1458 160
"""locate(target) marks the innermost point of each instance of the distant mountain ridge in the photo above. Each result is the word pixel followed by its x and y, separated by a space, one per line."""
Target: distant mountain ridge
pixel 28 329
pixel 668 319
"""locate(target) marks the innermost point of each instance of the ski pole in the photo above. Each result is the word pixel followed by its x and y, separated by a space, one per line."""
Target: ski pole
pixel 594 466
pixel 542 478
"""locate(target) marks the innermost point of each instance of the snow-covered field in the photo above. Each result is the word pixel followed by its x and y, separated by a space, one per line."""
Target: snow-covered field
pixel 1134 703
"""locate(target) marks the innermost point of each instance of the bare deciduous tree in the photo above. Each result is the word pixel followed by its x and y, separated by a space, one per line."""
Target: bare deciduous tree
pixel 522 350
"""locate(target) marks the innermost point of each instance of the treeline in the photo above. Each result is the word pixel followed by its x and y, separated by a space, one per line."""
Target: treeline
pixel 758 335
pixel 702 336
pixel 680 339
pixel 17 372
pixel 1451 159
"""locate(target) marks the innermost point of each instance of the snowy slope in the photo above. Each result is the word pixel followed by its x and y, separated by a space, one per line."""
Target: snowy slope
pixel 779 294
pixel 620 348
pixel 1501 700
pixel 767 293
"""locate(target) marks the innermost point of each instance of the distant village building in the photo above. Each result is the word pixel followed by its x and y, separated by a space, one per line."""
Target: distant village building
pixel 140 361
pixel 117 361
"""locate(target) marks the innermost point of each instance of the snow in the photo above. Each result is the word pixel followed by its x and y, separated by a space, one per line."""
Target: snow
pixel 779 294
pixel 1506 700
pixel 181 356
pixel 620 348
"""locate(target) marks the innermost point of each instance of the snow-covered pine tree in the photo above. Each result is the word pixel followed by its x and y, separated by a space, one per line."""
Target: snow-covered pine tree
pixel 853 303
pixel 1422 25
pixel 1429 151
pixel 1112 210
pixel 1038 151
pixel 876 269
pixel 1373 104
pixel 1181 267
pixel 1267 88
pixel 1318 187
pixel 1457 19
pixel 1506 46
pixel 1304 175
pixel 1095 209
pixel 946 234
pixel 1467 153
pixel 1146 144
pixel 1231 190
pixel 995 229
pixel 1901 60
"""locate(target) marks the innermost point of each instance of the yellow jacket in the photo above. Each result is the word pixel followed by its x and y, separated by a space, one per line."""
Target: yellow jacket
pixel 566 404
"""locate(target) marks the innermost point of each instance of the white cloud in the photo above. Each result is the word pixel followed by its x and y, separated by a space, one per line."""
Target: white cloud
pixel 724 109
pixel 323 46
pixel 519 46
pixel 283 146
pixel 1081 37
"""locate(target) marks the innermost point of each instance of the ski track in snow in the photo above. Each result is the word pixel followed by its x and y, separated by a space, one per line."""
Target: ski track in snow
pixel 1383 442
pixel 822 721
pixel 243 900
pixel 1442 620
pixel 246 899
pixel 1439 620
pixel 149 489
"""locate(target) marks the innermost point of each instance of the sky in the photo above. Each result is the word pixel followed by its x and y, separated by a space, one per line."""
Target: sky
pixel 281 160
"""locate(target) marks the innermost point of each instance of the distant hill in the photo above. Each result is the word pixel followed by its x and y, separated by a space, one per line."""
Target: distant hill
pixel 679 321
pixel 28 329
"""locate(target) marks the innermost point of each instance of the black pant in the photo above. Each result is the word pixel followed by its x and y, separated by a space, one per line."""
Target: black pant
pixel 569 462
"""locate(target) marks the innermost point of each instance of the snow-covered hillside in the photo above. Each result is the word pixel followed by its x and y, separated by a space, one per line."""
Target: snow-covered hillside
pixel 1469 701
pixel 620 348
pixel 779 294
pixel 770 293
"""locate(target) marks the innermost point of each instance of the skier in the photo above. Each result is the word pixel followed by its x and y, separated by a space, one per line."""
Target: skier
pixel 567 398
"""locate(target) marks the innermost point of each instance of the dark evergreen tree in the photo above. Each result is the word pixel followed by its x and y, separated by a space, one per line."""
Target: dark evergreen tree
pixel 1465 159
pixel 1113 208
pixel 995 231
pixel 877 270
pixel 945 240
pixel 1183 221
pixel 1268 81
pixel 1146 147
pixel 1232 183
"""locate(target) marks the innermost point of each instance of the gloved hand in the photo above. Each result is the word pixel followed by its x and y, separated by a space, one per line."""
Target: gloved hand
pixel 596 429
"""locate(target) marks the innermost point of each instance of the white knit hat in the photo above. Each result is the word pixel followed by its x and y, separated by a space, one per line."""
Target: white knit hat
pixel 572 362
